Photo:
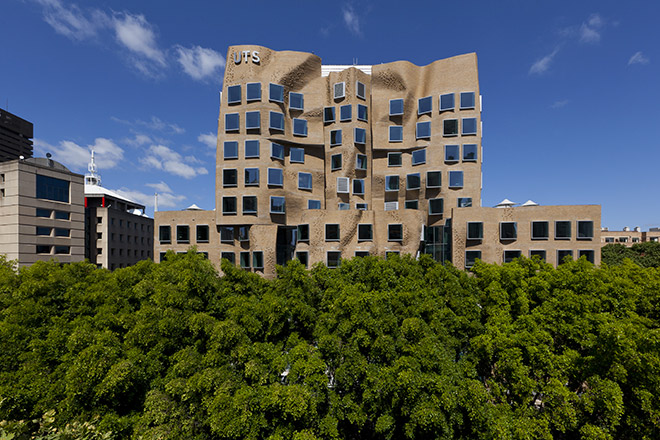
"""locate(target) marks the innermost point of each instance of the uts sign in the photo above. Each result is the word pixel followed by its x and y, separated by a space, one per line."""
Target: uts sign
pixel 245 56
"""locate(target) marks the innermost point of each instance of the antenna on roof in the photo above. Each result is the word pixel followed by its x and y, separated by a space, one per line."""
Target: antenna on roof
pixel 92 178
pixel 155 202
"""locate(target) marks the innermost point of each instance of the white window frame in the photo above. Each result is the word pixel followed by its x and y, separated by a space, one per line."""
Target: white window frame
pixel 366 112
pixel 271 205
pixel 245 176
pixel 247 98
pixel 411 188
pixel 419 110
pixel 465 133
pixel 394 154
pixel 332 164
pixel 398 183
pixel 392 139
pixel 458 153
pixel 334 115
pixel 303 174
pixel 357 90
pixel 341 118
pixel 270 98
pixel 343 90
pixel 245 149
pixel 442 202
pixel 357 162
pixel 389 238
pixel 268 180
pixel 412 157
pixel 355 135
pixel 343 185
pixel 295 133
pixel 273 156
pixel 243 206
pixel 296 150
pixel 363 186
pixel 391 206
pixel 255 127
pixel 453 102
pixel 402 107
pixel 270 121
pixel 422 123
pixel 232 130
pixel 302 100
pixel 240 93
pixel 474 101
pixel 325 231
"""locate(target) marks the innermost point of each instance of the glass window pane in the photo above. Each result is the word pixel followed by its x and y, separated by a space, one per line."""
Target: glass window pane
pixel 276 151
pixel 335 162
pixel 433 179
pixel 450 127
pixel 275 177
pixel 396 107
pixel 508 231
pixel 469 152
pixel 335 137
pixel 447 102
pixel 425 105
pixel 471 257
pixel 232 122
pixel 297 155
pixel 540 230
pixel 296 101
pixel 234 94
pixel 251 176
pixel 360 90
pixel 467 100
pixel 585 230
pixel 396 133
pixel 329 114
pixel 345 112
pixel 229 177
pixel 231 150
pixel 391 183
pixel 394 159
pixel 419 157
pixel 469 126
pixel 249 204
pixel 413 181
pixel 252 120
pixel 253 91
pixel 360 136
pixel 229 205
pixel 304 180
pixel 276 121
pixel 423 130
pixel 313 204
pixel 300 127
pixel 276 93
pixel 436 206
pixel 475 230
pixel 464 202
pixel 562 230
pixel 51 188
pixel 456 179
pixel 452 153
pixel 362 112
pixel 361 162
pixel 251 148
pixel 277 205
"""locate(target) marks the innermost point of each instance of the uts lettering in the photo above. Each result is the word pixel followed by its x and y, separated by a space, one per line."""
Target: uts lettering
pixel 245 56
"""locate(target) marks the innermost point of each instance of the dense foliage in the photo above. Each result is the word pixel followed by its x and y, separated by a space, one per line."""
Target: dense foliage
pixel 645 254
pixel 377 349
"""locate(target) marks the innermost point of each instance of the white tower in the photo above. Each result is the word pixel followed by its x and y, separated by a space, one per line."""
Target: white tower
pixel 92 178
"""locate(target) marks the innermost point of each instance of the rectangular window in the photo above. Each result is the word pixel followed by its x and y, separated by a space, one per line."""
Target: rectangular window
pixel 229 256
pixel 243 233
pixel 303 232
pixel 303 257
pixel 447 102
pixel 396 133
pixel 360 90
pixel 361 162
pixel 335 162
pixel 475 231
pixel 276 121
pixel 328 115
pixel 299 127
pixel 296 101
pixel 45 213
pixel 252 177
pixel 464 202
pixel 508 231
pixel 450 127
pixel 456 179
pixel 50 188
pixel 345 113
pixel 563 254
pixel 275 93
pixel 361 254
pixel 258 259
pixel 252 120
pixel 540 230
pixel 470 152
pixel 585 230
pixel 411 204
pixel 165 234
pixel 230 150
pixel 362 112
pixel 360 136
pixel 313 204
pixel 361 206
pixel 251 149
pixel 391 183
pixel 335 137
pixel 339 90
pixel 226 234
pixel 419 157
pixel 234 94
pixel 467 100
pixel 249 204
pixel 589 254
pixel 275 177
pixel 469 126
pixel 232 122
pixel 394 159
pixel 562 230
pixel 358 186
pixel 63 250
pixel 413 181
pixel 332 232
pixel 304 180
pixel 276 151
pixel 333 259
pixel 391 206
pixel 43 230
pixel 253 92
pixel 433 179
pixel 396 107
pixel 510 255
pixel 183 234
pixel 342 206
pixel 343 185
pixel 471 256
pixel 425 105
pixel 228 205
pixel 245 259
pixel 452 153
pixel 436 206
pixel 202 233
pixel 423 130
pixel 537 253
pixel 297 155
pixel 395 232
pixel 277 205
pixel 43 249
pixel 62 232
pixel 229 177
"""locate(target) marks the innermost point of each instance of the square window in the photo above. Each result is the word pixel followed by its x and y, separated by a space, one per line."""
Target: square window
pixel 360 90
pixel 332 232
pixel 361 162
pixel 342 185
pixel 436 206
pixel 411 204
pixel 296 101
pixel 253 92
pixel 361 254
pixel 456 179
pixel 511 255
pixel 470 152
pixel 245 260
pixel 229 177
pixel 425 105
pixel 508 231
pixel 45 213
pixel 469 126
pixel 585 230
pixel 328 114
pixel 540 230
pixel 537 253
pixel 395 232
pixel 258 259
pixel 251 148
pixel 303 257
pixel 249 204
pixel 202 233
pixel 396 107
pixel 413 181
pixel 183 234
pixel 275 177
pixel 452 153
pixel 471 256
pixel 447 102
pixel 361 206
pixel 339 90
pixel 433 179
pixel 343 206
pixel 360 136
pixel 467 100
pixel 304 180
pixel 345 113
pixel 365 233
pixel 475 231
pixel 358 186
pixel 276 151
pixel 333 259
pixel 165 234
pixel 252 177
pixel 423 130
pixel 276 121
pixel 275 93
pixel 313 204
pixel 391 183
pixel 228 205
pixel 299 127
pixel 63 250
pixel 335 137
pixel 589 254
pixel 43 230
pixel 396 133
pixel 562 254
pixel 43 249
pixel 277 205
pixel 303 232
pixel 253 120
pixel 335 162
pixel 419 157
pixel 234 94
pixel 450 127
pixel 391 206
pixel 362 112
pixel 562 230
pixel 243 233
pixel 232 122
pixel 464 202
pixel 297 155
pixel 394 159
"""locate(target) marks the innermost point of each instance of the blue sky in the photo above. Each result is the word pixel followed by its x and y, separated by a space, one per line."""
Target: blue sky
pixel 570 89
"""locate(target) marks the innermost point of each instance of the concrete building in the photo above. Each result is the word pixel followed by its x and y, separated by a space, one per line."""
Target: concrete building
pixel 41 211
pixel 118 232
pixel 321 162
pixel 629 237
pixel 15 137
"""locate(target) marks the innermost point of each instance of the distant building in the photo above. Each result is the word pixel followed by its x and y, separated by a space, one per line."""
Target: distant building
pixel 15 137
pixel 628 237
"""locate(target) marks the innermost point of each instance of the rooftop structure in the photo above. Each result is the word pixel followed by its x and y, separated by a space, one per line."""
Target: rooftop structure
pixel 15 137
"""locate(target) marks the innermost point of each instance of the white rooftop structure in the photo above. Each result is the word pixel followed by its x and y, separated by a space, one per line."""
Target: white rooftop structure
pixel 193 207
pixel 93 186
pixel 530 203
pixel 325 70
pixel 506 203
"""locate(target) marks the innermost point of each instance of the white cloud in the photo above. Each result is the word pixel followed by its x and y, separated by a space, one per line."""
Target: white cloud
pixel 138 140
pixel 155 123
pixel 71 21
pixel 543 64
pixel 137 35
pixel 163 158
pixel 208 139
pixel 199 62
pixel 160 187
pixel 560 104
pixel 107 154
pixel 165 199
pixel 351 20
pixel 638 58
